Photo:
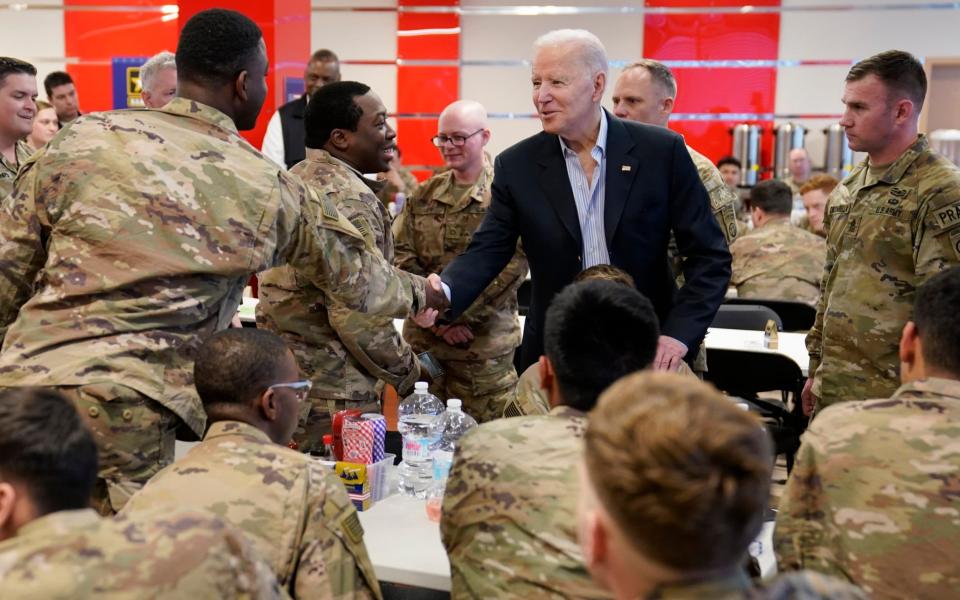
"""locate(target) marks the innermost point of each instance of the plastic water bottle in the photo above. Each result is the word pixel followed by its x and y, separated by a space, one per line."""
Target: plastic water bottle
pixel 450 427
pixel 416 416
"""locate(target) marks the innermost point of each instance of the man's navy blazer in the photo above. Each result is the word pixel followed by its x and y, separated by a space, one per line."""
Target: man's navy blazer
pixel 652 187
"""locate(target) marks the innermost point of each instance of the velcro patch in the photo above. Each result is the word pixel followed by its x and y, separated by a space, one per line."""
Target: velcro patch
pixel 947 216
pixel 352 528
pixel 955 242
pixel 839 210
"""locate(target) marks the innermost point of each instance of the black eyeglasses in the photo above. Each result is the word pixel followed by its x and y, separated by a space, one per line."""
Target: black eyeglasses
pixel 456 140
pixel 300 388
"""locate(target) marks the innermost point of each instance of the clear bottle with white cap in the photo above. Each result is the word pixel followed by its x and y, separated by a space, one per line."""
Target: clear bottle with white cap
pixel 452 425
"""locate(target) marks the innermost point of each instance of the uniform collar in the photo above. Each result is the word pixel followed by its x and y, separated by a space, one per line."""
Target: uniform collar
pixel 568 412
pixel 22 151
pixel 196 110
pixel 732 586
pixel 231 428
pixel 477 193
pixel 321 155
pixel 895 171
pixel 58 523
pixel 947 388
pixel 776 221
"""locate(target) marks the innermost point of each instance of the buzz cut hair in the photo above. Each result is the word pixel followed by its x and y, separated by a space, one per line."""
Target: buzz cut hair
pixel 158 62
pixel 659 72
pixel 898 70
pixel 324 55
pixel 593 54
pixel 937 322
pixel 14 66
pixel 235 366
pixel 216 45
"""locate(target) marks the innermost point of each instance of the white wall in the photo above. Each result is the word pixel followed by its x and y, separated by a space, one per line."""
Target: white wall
pixel 36 36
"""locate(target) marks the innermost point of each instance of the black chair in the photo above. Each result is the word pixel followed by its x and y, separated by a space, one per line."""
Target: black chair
pixel 744 374
pixel 752 317
pixel 796 316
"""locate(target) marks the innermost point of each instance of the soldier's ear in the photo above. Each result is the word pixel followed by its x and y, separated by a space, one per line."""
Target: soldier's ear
pixel 8 500
pixel 340 139
pixel 269 405
pixel 911 352
pixel 240 85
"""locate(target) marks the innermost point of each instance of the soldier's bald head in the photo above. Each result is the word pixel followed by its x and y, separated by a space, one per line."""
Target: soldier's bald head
pixel 465 112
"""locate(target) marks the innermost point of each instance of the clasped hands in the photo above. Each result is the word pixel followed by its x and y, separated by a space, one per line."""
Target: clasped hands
pixel 436 302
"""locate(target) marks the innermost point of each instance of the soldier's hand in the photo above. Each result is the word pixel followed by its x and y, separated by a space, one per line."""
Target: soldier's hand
pixel 426 318
pixel 808 400
pixel 436 299
pixel 456 334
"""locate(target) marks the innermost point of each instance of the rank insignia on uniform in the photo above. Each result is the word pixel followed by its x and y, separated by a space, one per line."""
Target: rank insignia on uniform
pixel 899 192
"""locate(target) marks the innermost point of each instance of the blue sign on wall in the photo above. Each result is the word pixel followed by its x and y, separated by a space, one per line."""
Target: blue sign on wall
pixel 126 81
pixel 293 88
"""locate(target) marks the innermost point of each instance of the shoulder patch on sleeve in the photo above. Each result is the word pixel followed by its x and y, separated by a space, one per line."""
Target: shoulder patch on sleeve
pixel 352 528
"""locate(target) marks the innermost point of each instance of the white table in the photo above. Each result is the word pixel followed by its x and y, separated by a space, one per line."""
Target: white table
pixel 792 345
pixel 404 545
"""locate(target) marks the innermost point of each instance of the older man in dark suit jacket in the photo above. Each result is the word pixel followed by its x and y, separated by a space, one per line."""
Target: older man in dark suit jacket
pixel 593 189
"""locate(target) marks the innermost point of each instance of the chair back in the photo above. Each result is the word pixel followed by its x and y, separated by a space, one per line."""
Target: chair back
pixel 752 317
pixel 796 316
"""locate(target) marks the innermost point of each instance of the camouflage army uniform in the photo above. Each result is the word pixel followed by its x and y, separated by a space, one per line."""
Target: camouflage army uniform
pixel 793 184
pixel 8 172
pixel 175 555
pixel 887 233
pixel 793 586
pixel 778 262
pixel 509 511
pixel 389 190
pixel 873 494
pixel 434 227
pixel 294 510
pixel 344 353
pixel 723 202
pixel 140 229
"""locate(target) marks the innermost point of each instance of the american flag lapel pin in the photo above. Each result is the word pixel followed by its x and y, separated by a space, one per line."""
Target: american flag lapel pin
pixel 625 168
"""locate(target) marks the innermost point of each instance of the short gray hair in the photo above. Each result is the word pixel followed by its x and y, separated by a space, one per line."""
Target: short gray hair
pixel 149 70
pixel 593 54
pixel 659 72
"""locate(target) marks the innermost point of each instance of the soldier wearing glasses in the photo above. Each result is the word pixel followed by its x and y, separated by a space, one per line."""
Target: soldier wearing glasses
pixel 476 350
pixel 294 510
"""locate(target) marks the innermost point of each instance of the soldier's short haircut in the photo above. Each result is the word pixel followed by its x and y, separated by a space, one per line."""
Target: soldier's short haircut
pixel 216 45
pixel 324 55
pixel 938 322
pixel 55 79
pixel 605 273
pixel 596 332
pixel 659 72
pixel 821 181
pixel 158 62
pixel 14 66
pixel 729 160
pixel 900 71
pixel 772 196
pixel 683 472
pixel 45 446
pixel 333 107
pixel 235 366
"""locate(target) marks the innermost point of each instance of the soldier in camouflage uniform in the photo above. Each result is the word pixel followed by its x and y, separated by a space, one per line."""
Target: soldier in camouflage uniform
pixel 53 546
pixel 814 195
pixel 139 230
pixel 645 92
pixel 18 90
pixel 293 509
pixel 508 520
pixel 673 485
pixel 348 355
pixel 799 166
pixel 476 350
pixel 776 260
pixel 893 223
pixel 873 494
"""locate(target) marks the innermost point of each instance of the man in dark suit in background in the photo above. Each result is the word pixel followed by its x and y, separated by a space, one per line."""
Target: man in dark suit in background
pixel 592 189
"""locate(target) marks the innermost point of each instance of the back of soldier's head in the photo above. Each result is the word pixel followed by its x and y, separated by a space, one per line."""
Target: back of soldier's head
pixel 772 196
pixel 333 106
pixel 46 449
pixel 936 315
pixel 683 472
pixel 215 46
pixel 900 72
pixel 596 332
pixel 604 272
pixel 235 366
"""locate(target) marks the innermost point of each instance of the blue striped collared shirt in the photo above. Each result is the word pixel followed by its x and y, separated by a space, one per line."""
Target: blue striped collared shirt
pixel 589 197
